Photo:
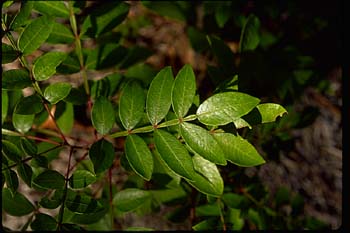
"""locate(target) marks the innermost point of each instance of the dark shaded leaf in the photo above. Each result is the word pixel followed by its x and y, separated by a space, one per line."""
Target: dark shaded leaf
pixel 11 180
pixel 11 151
pixel 81 203
pixel 25 172
pixel 4 105
pixel 33 101
pixel 102 155
pixel 60 34
pixel 81 179
pixel 49 179
pixel 43 222
pixel 250 34
pixel 8 54
pixel 17 204
pixel 15 79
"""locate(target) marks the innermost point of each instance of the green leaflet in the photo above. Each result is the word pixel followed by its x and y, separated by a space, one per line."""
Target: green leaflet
pixel 104 18
pixel 174 154
pixel 159 95
pixel 43 222
pixel 101 154
pixel 11 151
pixel 202 142
pixel 208 179
pixel 223 108
pixel 265 113
pixel 8 54
pixel 102 115
pixel 22 17
pixel 57 92
pixel 81 179
pixel 60 34
pixel 28 146
pixel 238 150
pixel 183 91
pixel 208 210
pixel 250 37
pixel 139 156
pixel 25 172
pixel 130 199
pixel 49 179
pixel 4 105
pixel 54 8
pixel 222 13
pixel 15 79
pixel 33 101
pixel 35 33
pixel 131 105
pixel 45 66
pixel 17 204
pixel 65 120
pixel 22 123
pixel 82 203
pixel 11 180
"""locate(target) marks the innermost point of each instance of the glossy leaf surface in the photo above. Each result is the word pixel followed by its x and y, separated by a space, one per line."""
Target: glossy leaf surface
pixel 103 115
pixel 35 33
pixel 49 179
pixel 202 142
pixel 130 199
pixel 22 123
pixel 223 108
pixel 174 154
pixel 139 156
pixel 159 96
pixel 54 8
pixel 238 150
pixel 183 91
pixel 15 79
pixel 102 155
pixel 17 204
pixel 81 179
pixel 45 66
pixel 131 105
pixel 57 92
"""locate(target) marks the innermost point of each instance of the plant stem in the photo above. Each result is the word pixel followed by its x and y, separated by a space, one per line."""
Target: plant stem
pixel 78 47
pixel 222 219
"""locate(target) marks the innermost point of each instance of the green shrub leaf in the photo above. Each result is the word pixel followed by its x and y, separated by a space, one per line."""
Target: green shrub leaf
pixel 11 151
pixel 159 96
pixel 104 18
pixel 139 156
pixel 17 204
pixel 43 222
pixel 250 37
pixel 208 179
pixel 202 142
pixel 238 150
pixel 223 108
pixel 81 179
pixel 33 101
pixel 23 16
pixel 8 54
pixel 15 79
pixel 22 123
pixel 57 92
pixel 60 34
pixel 49 179
pixel 103 115
pixel 132 104
pixel 11 180
pixel 102 155
pixel 25 172
pixel 174 154
pixel 130 199
pixel 208 210
pixel 54 8
pixel 65 120
pixel 35 33
pixel 184 90
pixel 265 113
pixel 4 105
pixel 81 203
pixel 45 66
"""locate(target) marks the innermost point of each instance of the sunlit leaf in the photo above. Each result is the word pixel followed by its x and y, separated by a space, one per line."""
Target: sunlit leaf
pixel 45 66
pixel 34 34
pixel 183 91
pixel 25 172
pixel 131 105
pixel 130 199
pixel 54 8
pixel 202 142
pixel 139 156
pixel 23 16
pixel 11 151
pixel 238 150
pixel 102 155
pixel 159 95
pixel 22 123
pixel 60 34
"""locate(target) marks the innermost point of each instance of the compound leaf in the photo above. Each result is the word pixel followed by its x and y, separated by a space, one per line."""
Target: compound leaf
pixel 183 91
pixel 159 95
pixel 139 156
